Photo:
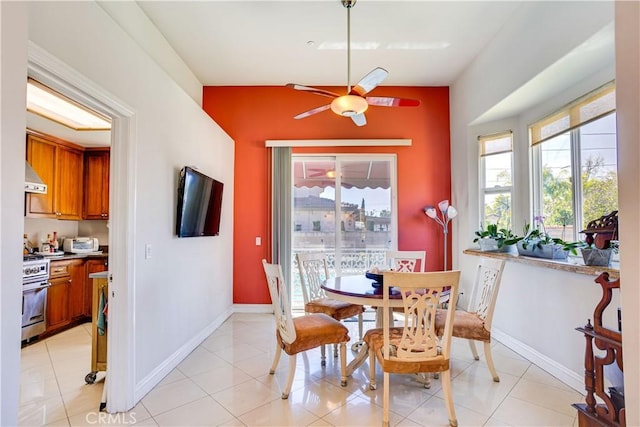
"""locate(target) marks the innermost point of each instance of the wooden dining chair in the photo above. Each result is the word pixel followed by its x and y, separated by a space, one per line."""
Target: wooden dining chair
pixel 295 335
pixel 415 347
pixel 474 324
pixel 314 270
pixel 406 261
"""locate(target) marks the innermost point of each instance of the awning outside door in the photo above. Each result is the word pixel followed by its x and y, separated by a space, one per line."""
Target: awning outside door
pixel 358 174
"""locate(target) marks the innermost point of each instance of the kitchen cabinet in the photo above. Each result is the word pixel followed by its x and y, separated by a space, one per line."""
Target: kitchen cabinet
pixel 57 312
pixel 96 184
pixel 92 266
pixel 77 289
pixel 60 166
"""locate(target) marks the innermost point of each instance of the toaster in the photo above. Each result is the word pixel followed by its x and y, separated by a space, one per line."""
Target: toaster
pixel 79 245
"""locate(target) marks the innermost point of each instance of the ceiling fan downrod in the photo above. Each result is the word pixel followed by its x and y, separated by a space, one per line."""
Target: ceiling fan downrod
pixel 349 4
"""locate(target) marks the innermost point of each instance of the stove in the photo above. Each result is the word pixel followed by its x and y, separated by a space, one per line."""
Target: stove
pixel 35 281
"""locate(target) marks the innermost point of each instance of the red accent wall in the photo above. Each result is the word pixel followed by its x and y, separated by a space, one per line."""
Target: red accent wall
pixel 251 115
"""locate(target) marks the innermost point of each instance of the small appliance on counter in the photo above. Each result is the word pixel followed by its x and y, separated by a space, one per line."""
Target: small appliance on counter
pixel 81 245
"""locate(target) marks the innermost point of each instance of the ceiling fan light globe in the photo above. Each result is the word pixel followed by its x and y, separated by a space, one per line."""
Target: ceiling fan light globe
pixel 349 105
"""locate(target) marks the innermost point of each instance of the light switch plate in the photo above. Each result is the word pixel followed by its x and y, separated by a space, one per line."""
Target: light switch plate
pixel 147 251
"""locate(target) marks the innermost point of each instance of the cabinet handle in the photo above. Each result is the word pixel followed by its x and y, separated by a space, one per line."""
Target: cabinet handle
pixel 58 270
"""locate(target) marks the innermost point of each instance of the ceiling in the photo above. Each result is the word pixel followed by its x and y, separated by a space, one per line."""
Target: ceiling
pixel 420 43
pixel 249 43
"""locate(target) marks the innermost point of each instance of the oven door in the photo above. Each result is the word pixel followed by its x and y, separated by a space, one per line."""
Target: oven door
pixel 34 305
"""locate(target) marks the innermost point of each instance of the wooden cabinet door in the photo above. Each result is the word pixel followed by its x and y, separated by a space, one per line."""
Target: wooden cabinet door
pixel 96 185
pixel 41 155
pixel 92 266
pixel 77 289
pixel 57 313
pixel 68 195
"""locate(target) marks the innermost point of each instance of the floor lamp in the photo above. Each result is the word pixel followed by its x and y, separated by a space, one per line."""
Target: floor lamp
pixel 447 213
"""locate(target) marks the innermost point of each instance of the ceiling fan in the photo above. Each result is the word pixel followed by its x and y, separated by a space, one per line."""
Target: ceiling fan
pixel 354 103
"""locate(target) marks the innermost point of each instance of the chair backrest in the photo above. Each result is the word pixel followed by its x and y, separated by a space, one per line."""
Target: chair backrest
pixel 406 261
pixel 313 270
pixel 420 297
pixel 485 289
pixel 280 300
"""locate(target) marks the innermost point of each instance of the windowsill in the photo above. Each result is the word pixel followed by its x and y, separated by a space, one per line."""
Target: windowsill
pixel 572 265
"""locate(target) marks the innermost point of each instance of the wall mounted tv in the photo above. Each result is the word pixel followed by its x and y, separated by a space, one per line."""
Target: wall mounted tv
pixel 199 204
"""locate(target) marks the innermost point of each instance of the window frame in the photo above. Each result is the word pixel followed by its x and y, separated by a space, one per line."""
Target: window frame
pixel 484 191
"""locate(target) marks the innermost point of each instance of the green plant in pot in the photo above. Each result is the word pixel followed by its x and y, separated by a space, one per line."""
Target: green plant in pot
pixel 538 243
pixel 493 239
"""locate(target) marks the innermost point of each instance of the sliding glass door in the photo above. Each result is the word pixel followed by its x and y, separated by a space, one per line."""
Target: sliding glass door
pixel 344 206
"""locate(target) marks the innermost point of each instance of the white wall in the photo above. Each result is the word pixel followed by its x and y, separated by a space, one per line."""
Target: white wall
pixel 628 113
pixel 565 299
pixel 13 68
pixel 553 341
pixel 185 289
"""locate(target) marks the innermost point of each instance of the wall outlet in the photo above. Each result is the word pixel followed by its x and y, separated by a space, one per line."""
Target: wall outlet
pixel 258 241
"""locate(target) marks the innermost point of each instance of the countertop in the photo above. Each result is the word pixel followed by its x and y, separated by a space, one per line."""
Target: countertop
pixel 67 256
pixel 99 275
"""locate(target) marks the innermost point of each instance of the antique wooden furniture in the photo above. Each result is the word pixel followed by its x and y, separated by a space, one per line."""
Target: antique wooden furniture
pixel 475 323
pixel 605 229
pixel 415 347
pixel 313 272
pixel 295 335
pixel 612 411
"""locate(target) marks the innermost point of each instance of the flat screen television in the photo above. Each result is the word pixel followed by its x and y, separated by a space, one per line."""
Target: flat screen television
pixel 199 204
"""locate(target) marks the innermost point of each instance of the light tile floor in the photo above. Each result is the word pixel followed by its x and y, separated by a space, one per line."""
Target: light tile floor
pixel 225 381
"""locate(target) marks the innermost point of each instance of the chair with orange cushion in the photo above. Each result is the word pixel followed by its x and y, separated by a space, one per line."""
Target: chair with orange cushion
pixel 415 347
pixel 475 323
pixel 295 335
pixel 314 271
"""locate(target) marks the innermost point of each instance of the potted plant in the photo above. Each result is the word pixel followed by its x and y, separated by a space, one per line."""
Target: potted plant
pixel 593 255
pixel 538 243
pixel 494 239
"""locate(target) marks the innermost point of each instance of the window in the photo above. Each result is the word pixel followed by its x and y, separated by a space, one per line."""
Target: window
pixel 575 167
pixel 496 165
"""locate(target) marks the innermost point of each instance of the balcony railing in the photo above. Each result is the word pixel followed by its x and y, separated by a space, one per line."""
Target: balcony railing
pixel 352 262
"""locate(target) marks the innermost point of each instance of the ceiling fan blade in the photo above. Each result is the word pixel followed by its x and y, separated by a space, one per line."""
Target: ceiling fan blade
pixel 312 90
pixel 312 112
pixel 385 101
pixel 369 82
pixel 359 119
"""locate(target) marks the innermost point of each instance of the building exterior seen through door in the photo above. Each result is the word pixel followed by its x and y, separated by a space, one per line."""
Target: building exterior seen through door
pixel 345 207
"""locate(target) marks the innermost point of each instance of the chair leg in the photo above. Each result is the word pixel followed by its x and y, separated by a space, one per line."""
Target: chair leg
pixel 343 364
pixel 448 397
pixel 276 359
pixel 489 358
pixel 372 370
pixel 292 373
pixel 323 356
pixel 358 344
pixel 474 351
pixel 335 350
pixel 385 401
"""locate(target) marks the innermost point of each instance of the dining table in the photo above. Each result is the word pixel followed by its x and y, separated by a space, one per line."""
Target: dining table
pixel 359 289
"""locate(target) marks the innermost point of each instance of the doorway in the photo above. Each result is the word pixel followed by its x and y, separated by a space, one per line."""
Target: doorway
pixel 344 206
pixel 55 74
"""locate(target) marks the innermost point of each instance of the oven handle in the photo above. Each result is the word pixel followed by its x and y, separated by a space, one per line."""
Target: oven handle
pixel 30 287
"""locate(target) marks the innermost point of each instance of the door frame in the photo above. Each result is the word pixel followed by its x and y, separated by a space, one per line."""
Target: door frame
pixel 49 70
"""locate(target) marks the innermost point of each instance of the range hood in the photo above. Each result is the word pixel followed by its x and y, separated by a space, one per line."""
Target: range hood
pixel 32 182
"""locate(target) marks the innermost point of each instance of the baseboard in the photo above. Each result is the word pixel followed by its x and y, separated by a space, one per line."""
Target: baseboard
pixel 253 308
pixel 561 372
pixel 150 381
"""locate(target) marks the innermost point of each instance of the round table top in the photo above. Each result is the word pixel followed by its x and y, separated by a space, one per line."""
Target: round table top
pixel 357 286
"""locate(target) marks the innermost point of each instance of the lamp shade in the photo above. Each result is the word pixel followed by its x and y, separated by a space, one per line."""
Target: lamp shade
pixel 443 205
pixel 349 105
pixel 452 212
pixel 430 211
